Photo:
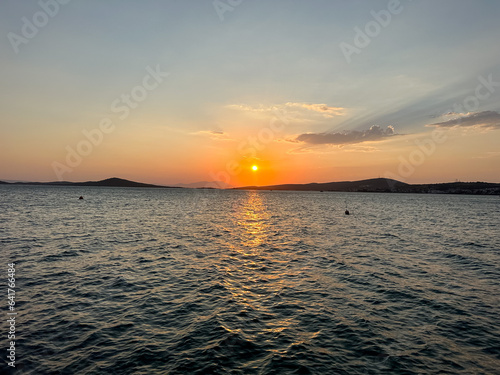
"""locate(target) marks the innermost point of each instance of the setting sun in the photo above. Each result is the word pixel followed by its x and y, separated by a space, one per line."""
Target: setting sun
pixel 254 168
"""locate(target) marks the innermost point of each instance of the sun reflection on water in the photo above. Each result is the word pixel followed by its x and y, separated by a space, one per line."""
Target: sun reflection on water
pixel 256 275
pixel 253 218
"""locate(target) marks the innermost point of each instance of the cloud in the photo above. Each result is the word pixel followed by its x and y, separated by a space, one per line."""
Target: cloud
pixel 324 109
pixel 293 108
pixel 248 108
pixel 488 155
pixel 213 134
pixel 485 120
pixel 375 133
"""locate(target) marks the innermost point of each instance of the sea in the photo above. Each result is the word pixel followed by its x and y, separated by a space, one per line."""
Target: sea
pixel 188 281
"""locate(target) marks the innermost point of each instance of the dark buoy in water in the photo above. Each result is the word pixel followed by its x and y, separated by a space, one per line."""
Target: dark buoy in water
pixel 347 212
pixel 80 197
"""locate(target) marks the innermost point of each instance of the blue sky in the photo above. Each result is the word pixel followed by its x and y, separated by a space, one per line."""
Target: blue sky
pixel 226 75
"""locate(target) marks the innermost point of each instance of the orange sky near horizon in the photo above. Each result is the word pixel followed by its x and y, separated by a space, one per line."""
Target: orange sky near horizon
pixel 209 157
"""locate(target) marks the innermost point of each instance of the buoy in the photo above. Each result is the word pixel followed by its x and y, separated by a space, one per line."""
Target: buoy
pixel 80 198
pixel 347 212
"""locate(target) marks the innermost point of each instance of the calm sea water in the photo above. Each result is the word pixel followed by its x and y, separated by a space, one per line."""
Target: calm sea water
pixel 146 281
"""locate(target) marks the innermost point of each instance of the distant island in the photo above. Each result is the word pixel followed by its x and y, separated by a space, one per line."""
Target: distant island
pixel 386 185
pixel 374 185
pixel 120 182
pixel 109 182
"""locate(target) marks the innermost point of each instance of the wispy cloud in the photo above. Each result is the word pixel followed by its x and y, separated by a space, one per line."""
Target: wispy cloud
pixel 488 155
pixel 324 110
pixel 485 120
pixel 213 134
pixel 375 133
pixel 249 108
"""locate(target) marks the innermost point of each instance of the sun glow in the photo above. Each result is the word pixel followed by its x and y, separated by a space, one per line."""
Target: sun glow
pixel 254 168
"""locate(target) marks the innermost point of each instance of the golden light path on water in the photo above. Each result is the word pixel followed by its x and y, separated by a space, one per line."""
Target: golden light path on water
pixel 253 283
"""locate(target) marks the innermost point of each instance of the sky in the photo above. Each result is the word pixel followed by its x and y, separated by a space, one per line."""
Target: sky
pixel 180 91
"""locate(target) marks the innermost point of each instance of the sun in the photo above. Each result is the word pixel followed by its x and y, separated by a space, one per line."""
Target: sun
pixel 254 168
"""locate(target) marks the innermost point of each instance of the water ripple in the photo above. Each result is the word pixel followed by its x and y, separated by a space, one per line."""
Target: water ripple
pixel 146 281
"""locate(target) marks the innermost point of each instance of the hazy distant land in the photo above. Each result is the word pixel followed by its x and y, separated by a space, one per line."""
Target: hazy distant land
pixel 385 185
pixel 378 185
pixel 111 182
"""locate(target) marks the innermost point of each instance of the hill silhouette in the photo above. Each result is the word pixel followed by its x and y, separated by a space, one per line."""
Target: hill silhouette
pixel 118 182
pixel 387 185
pixel 375 185
pixel 109 182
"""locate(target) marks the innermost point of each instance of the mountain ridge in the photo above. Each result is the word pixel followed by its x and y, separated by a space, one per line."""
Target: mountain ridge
pixel 108 182
pixel 386 185
pixel 374 185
